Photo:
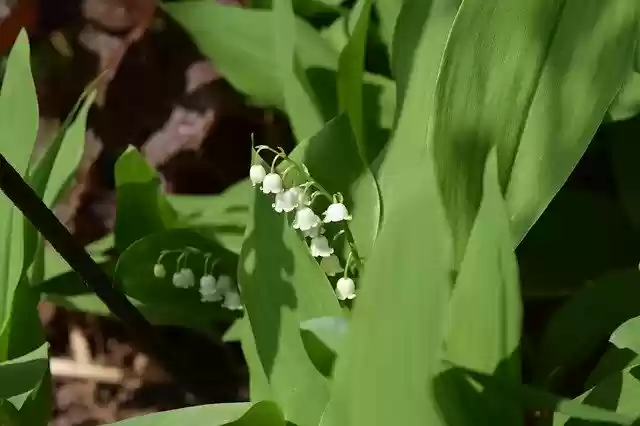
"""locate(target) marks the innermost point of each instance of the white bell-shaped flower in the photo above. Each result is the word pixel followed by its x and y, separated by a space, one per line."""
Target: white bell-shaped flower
pixel 225 284
pixel 272 184
pixel 305 219
pixel 345 289
pixel 232 301
pixel 331 265
pixel 159 271
pixel 257 173
pixel 287 201
pixel 320 247
pixel 184 278
pixel 336 212
pixel 208 289
pixel 314 231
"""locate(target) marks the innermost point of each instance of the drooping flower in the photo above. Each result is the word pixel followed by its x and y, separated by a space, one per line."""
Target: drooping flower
pixel 331 265
pixel 320 247
pixel 257 173
pixel 345 289
pixel 336 212
pixel 159 271
pixel 272 184
pixel 184 278
pixel 208 290
pixel 314 231
pixel 232 301
pixel 225 284
pixel 305 219
pixel 287 201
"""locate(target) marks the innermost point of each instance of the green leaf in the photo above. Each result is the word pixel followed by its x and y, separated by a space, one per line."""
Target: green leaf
pixel 303 110
pixel 142 207
pixel 134 272
pixel 389 384
pixel 388 11
pixel 627 336
pixel 613 361
pixel 619 393
pixel 350 72
pixel 21 375
pixel 323 338
pixel 282 286
pixel 237 414
pixel 585 321
pixel 516 106
pixel 485 312
pixel 18 127
pixel 539 400
pixel 627 103
pixel 241 43
pixel 221 217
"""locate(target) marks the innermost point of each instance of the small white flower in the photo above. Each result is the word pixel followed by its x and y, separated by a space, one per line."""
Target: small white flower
pixel 346 289
pixel 336 212
pixel 257 173
pixel 303 197
pixel 331 265
pixel 320 247
pixel 208 290
pixel 232 301
pixel 314 231
pixel 305 219
pixel 272 184
pixel 225 284
pixel 287 201
pixel 159 271
pixel 184 278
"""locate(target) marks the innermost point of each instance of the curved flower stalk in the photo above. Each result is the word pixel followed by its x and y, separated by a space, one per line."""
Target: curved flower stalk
pixel 212 289
pixel 299 200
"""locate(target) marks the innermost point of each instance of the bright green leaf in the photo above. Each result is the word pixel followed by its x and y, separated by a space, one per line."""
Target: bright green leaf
pixel 323 338
pixel 142 208
pixel 627 336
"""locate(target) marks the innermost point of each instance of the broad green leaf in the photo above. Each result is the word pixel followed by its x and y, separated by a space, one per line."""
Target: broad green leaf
pixel 627 336
pixel 350 71
pixel 142 208
pixel 586 64
pixel 323 338
pixel 586 321
pixel 237 414
pixel 388 11
pixel 485 312
pixel 282 286
pixel 20 375
pixel 134 272
pixel 241 43
pixel 627 103
pixel 221 217
pixel 390 384
pixel 619 393
pixel 299 103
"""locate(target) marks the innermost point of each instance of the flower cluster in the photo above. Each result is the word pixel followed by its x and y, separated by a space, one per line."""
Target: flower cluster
pixel 299 199
pixel 221 289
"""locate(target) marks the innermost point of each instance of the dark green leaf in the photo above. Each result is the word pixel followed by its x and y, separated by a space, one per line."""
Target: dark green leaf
pixel 323 339
pixel 237 414
pixel 20 375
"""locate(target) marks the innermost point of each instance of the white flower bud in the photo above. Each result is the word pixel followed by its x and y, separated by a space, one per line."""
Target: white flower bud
pixel 159 271
pixel 208 290
pixel 257 173
pixel 286 201
pixel 305 219
pixel 232 301
pixel 320 247
pixel 184 278
pixel 345 289
pixel 331 265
